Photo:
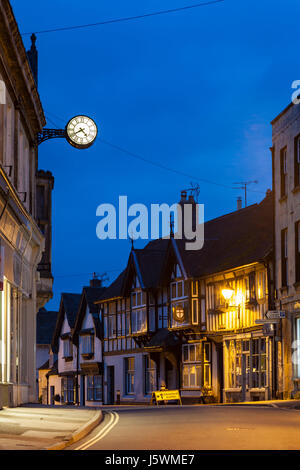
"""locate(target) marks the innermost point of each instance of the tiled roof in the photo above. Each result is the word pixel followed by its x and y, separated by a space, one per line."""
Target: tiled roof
pixel 115 289
pixel 92 294
pixel 71 304
pixel 45 324
pixel 236 239
pixel 45 366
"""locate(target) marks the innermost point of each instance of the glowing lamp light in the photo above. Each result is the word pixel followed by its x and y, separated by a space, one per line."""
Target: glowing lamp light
pixel 227 292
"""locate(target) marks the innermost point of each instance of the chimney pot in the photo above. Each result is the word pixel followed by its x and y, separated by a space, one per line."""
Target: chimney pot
pixel 95 282
pixel 183 195
pixel 239 203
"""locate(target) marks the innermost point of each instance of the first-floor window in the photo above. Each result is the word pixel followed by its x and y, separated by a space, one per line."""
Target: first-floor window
pixel 94 387
pixel 150 375
pixel 139 320
pixel 68 389
pixel 129 375
pixel 87 344
pixel 67 347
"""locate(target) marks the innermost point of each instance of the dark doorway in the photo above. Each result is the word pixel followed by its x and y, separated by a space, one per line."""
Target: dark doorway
pixel 219 348
pixel 52 393
pixel 82 390
pixel 110 385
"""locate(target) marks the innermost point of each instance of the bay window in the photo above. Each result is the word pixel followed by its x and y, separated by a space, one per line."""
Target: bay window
pixel 196 365
pixel 87 344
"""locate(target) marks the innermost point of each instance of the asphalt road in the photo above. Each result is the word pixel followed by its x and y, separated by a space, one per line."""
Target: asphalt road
pixel 203 428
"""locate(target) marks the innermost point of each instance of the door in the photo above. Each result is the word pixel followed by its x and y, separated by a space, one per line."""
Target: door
pixel 52 393
pixel 110 385
pixel 82 390
pixel 219 348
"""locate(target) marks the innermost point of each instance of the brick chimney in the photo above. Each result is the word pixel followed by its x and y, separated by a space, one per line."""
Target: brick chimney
pixel 188 202
pixel 95 282
pixel 239 203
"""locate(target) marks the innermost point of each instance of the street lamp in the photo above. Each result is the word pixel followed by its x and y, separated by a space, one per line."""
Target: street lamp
pixel 227 292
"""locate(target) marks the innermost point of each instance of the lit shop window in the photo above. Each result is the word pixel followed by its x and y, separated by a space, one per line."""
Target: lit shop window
pixel 193 356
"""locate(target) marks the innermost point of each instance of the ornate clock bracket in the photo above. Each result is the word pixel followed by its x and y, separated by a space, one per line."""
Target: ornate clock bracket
pixel 47 134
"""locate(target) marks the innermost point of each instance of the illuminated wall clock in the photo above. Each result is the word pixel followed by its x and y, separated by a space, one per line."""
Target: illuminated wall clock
pixel 81 132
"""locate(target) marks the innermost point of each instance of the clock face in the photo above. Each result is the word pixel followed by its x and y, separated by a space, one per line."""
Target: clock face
pixel 81 132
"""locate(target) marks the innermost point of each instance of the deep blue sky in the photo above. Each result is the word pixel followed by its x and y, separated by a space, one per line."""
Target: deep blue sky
pixel 194 90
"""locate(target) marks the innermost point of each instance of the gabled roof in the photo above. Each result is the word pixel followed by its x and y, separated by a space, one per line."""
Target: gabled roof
pixel 88 297
pixel 69 304
pixel 45 324
pixel 147 264
pixel 230 241
pixel 114 290
pixel 236 239
pixel 45 366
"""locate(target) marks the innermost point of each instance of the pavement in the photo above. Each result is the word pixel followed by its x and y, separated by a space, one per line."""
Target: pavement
pixel 41 427
pixel 36 427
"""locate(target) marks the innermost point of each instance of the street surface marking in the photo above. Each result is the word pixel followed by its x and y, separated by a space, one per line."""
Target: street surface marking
pixel 114 419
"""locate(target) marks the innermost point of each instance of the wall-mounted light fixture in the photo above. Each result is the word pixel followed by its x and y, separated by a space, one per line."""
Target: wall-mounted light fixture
pixel 227 292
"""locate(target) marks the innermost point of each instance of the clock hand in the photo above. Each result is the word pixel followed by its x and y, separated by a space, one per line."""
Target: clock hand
pixel 82 131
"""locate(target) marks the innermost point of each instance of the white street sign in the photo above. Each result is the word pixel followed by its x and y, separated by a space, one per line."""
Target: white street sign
pixel 273 314
pixel 265 320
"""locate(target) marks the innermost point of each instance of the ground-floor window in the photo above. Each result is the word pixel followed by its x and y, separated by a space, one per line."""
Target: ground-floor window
pixel 196 365
pixel 296 349
pixel 129 375
pixel 94 387
pixel 149 375
pixel 247 363
pixel 68 389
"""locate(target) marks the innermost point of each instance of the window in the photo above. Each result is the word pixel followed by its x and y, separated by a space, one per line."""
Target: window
pixel 297 251
pixel 192 365
pixel 150 375
pixel 67 347
pixel 94 388
pixel 129 375
pixel 297 160
pixel 195 313
pixel 68 389
pixel 178 290
pixel 112 326
pixel 296 348
pixel 246 359
pixel 259 363
pixel 87 344
pixel 283 172
pixel 211 297
pixel 284 258
pixel 139 320
pixel 261 284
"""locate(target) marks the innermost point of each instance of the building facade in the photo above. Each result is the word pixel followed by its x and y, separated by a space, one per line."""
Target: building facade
pixel 21 240
pixel 286 184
